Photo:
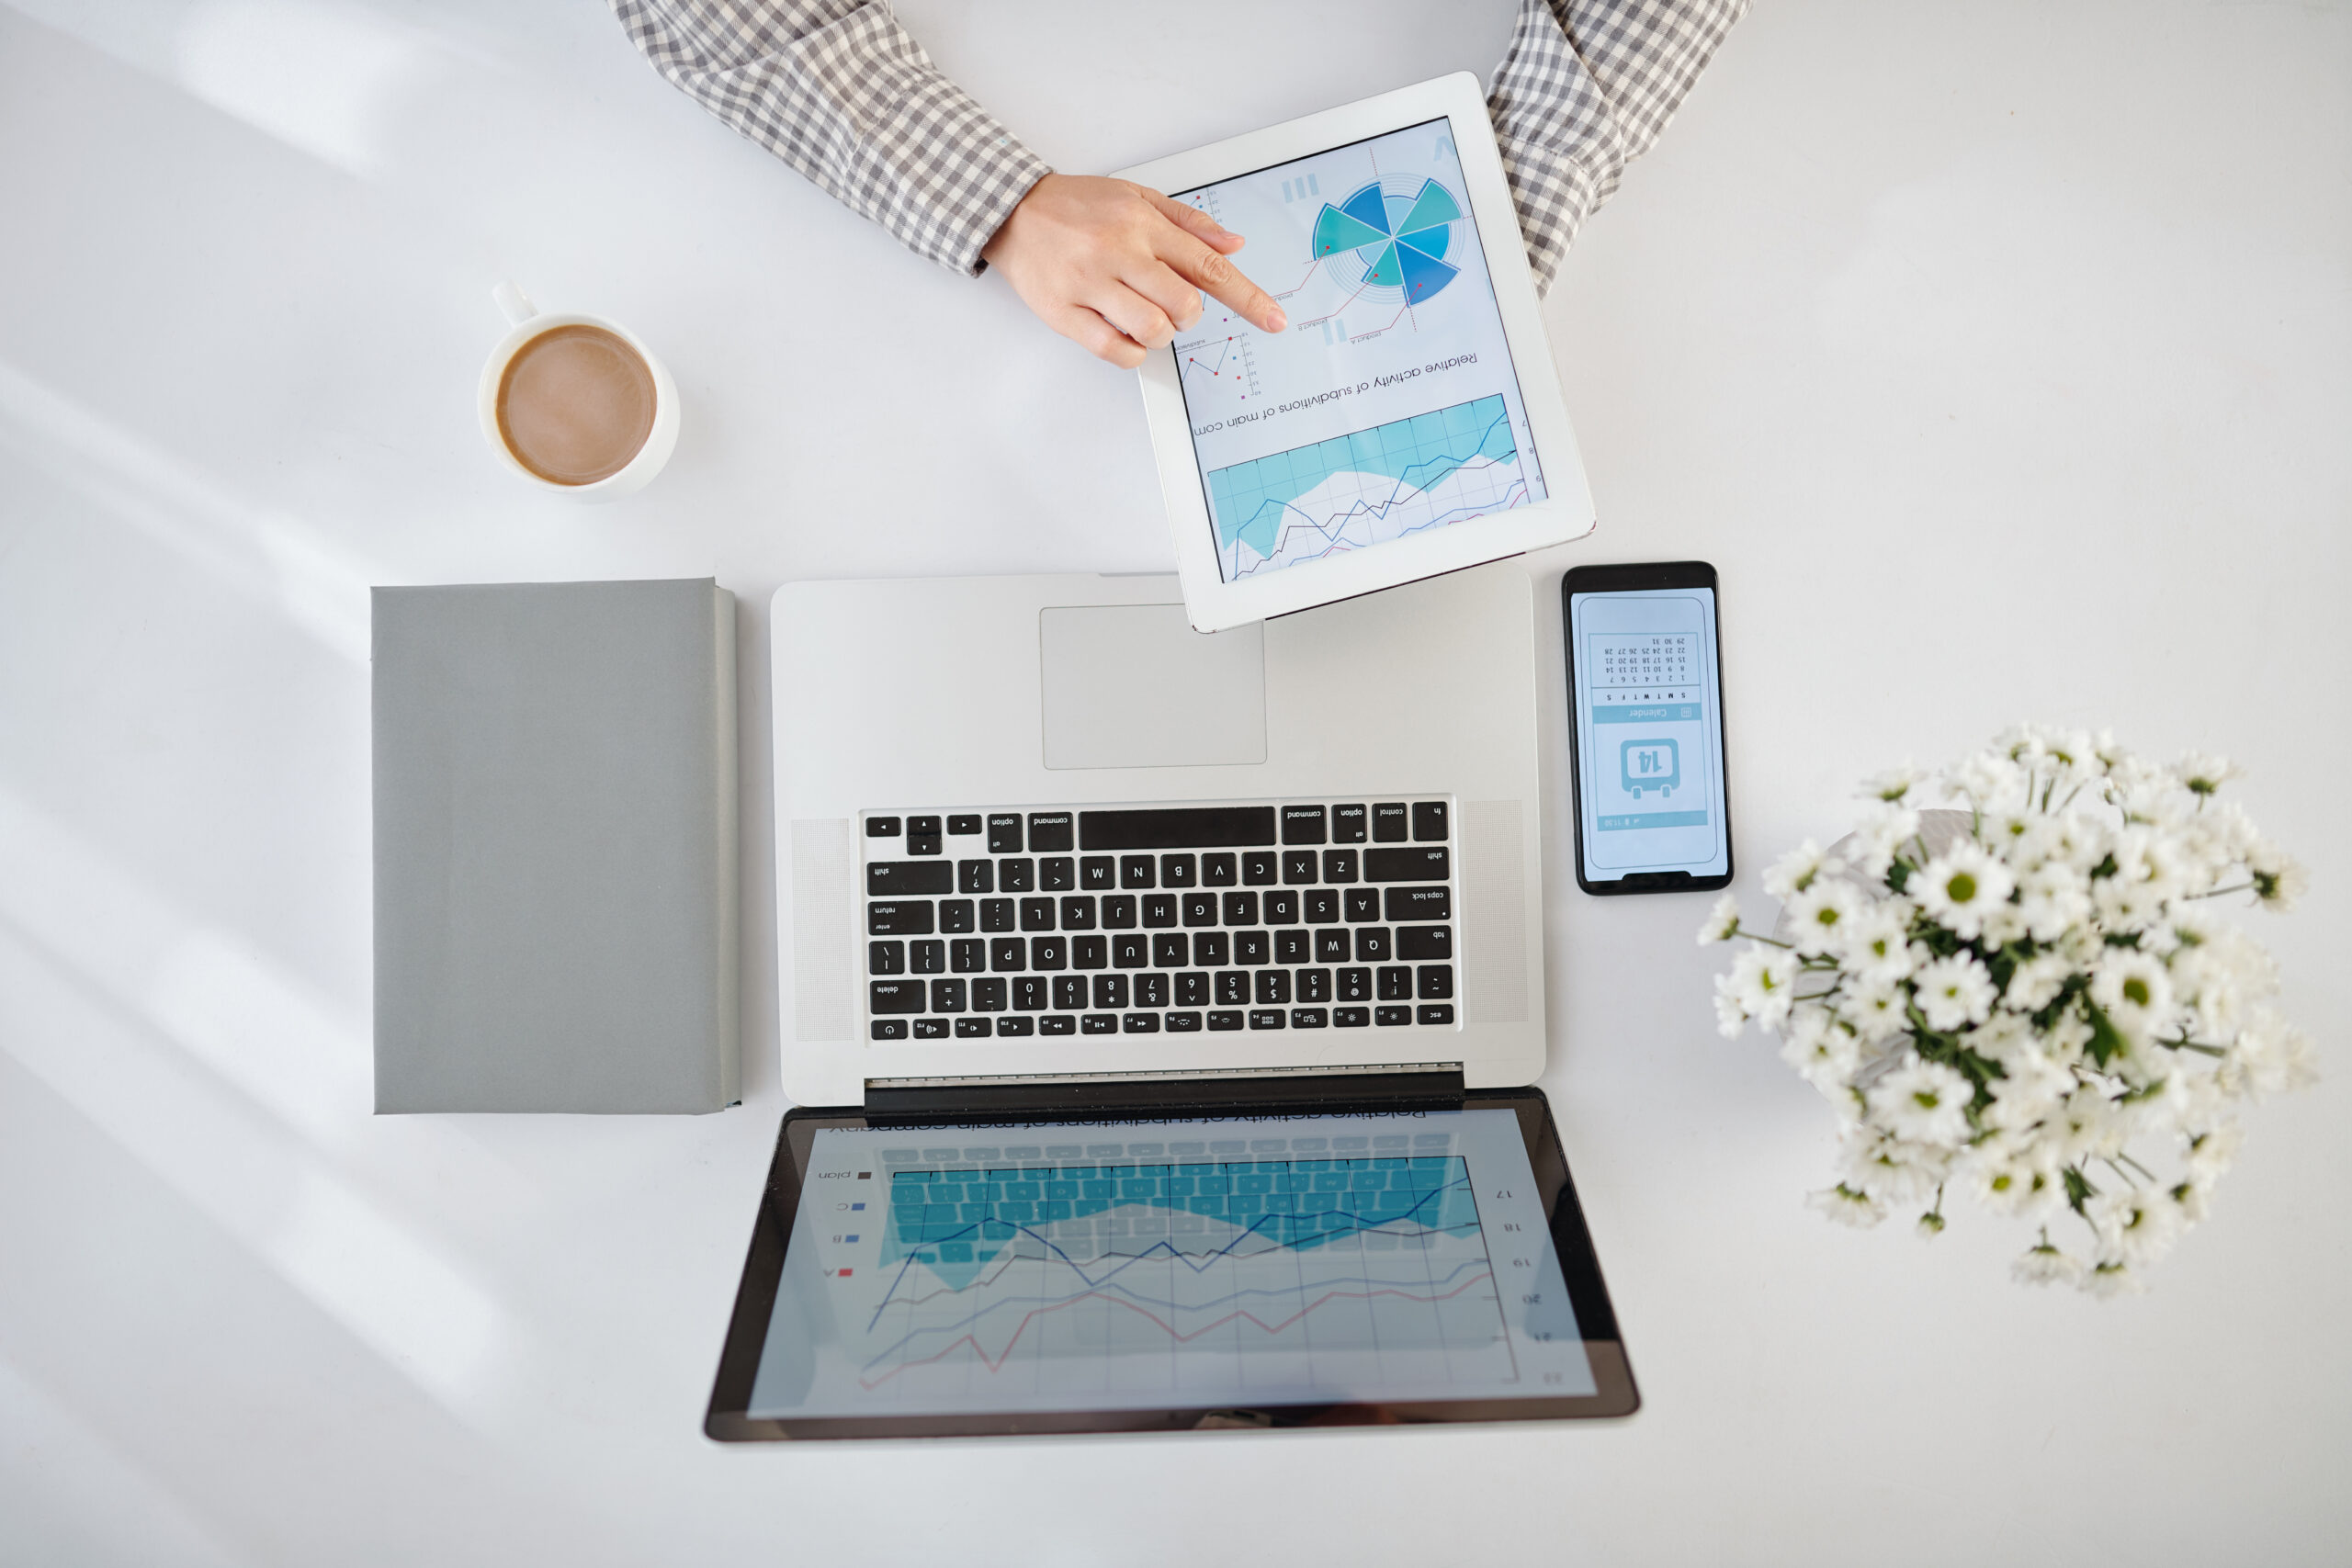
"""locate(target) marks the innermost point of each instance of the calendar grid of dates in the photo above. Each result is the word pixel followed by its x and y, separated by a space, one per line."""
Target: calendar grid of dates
pixel 1145 920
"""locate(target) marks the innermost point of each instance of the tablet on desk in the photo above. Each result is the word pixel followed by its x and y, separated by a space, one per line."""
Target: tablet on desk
pixel 1408 421
pixel 1249 1264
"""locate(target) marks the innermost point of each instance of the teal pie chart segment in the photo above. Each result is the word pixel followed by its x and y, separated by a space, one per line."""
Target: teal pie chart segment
pixel 1384 271
pixel 1336 231
pixel 1432 209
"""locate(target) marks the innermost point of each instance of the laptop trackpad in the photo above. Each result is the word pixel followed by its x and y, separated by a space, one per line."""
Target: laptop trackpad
pixel 1135 686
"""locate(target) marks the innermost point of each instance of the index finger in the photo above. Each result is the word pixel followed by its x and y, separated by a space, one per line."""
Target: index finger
pixel 1208 271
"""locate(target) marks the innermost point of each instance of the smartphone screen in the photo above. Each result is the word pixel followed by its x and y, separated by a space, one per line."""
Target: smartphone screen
pixel 1646 683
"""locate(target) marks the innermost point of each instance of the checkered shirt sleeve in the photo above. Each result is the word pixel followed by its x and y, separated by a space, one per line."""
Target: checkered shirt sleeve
pixel 837 89
pixel 1587 87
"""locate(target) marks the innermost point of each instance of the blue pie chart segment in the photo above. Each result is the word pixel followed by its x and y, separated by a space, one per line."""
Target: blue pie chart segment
pixel 1424 274
pixel 1366 207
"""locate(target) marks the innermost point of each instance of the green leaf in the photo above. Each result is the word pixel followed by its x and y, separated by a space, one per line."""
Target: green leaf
pixel 2079 1189
pixel 2106 1043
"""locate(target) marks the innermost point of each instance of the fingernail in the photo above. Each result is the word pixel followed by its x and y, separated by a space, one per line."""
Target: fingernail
pixel 1276 321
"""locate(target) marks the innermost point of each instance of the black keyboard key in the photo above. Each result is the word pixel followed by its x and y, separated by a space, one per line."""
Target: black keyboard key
pixel 1049 833
pixel 1219 871
pixel 1339 866
pixel 1420 944
pixel 1037 914
pixel 1291 945
pixel 974 1028
pixel 958 826
pixel 1151 990
pixel 1171 950
pixel 1362 903
pixel 988 995
pixel 1389 1018
pixel 928 957
pixel 1373 946
pixel 1350 824
pixel 1078 912
pixel 968 956
pixel 1351 1017
pixel 1193 990
pixel 1118 911
pixel 1417 864
pixel 1057 1023
pixel 1222 1021
pixel 885 958
pixel 931 1029
pixel 1008 955
pixel 895 995
pixel 1260 868
pixel 1098 874
pixel 1314 985
pixel 1355 985
pixel 1322 905
pixel 1303 824
pixel 889 1029
pixel 881 827
pixel 1099 1023
pixel 1298 867
pixel 1418 904
pixel 1269 1018
pixel 1212 950
pixel 1030 993
pixel 1158 911
pixel 955 915
pixel 976 876
pixel 1070 992
pixel 997 915
pixel 1428 821
pixel 924 843
pixel 1242 909
pixel 1005 1026
pixel 1178 828
pixel 1252 947
pixel 1179 871
pixel 1183 1023
pixel 1141 1023
pixel 1135 871
pixel 1049 952
pixel 947 996
pixel 1057 873
pixel 1434 1013
pixel 1110 993
pixel 1130 950
pixel 1017 874
pixel 1396 985
pixel 1232 989
pixel 1273 986
pixel 1282 908
pixel 1200 908
pixel 1005 833
pixel 1090 952
pixel 897 919
pixel 922 827
pixel 908 879
pixel 1331 947
pixel 1391 824
pixel 1436 983
pixel 1309 1017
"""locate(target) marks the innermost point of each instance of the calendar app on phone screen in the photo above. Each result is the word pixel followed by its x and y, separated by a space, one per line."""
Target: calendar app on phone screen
pixel 1649 738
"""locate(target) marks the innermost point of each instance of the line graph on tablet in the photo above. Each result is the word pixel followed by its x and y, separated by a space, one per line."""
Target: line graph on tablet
pixel 1282 1274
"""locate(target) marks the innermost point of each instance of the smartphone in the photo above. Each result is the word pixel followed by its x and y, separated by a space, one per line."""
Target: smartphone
pixel 1645 732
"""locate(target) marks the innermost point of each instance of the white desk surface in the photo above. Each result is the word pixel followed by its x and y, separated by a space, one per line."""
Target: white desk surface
pixel 2017 336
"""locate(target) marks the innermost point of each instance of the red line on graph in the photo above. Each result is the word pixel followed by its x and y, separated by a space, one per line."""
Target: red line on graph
pixel 997 1363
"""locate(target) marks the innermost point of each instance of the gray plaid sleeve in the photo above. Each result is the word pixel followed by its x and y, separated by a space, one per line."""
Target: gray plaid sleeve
pixel 1587 87
pixel 837 89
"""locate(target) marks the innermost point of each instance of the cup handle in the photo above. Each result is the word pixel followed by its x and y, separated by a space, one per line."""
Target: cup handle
pixel 515 302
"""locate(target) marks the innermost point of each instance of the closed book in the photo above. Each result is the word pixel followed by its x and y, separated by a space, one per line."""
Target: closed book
pixel 555 825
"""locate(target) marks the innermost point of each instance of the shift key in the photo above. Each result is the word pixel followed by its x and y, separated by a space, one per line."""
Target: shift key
pixel 1405 904
pixel 908 879
pixel 1419 863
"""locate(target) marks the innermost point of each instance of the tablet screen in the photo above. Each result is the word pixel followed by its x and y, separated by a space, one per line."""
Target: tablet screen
pixel 1389 405
pixel 1378 1259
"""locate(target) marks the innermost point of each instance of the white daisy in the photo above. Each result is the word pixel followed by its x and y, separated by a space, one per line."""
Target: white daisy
pixel 2136 1225
pixel 2269 1056
pixel 1954 992
pixel 1794 872
pixel 1763 981
pixel 1874 1010
pixel 2014 1184
pixel 1958 886
pixel 2045 1265
pixel 2278 882
pixel 1847 1206
pixel 1893 1169
pixel 2034 983
pixel 1823 915
pixel 1722 922
pixel 2110 1278
pixel 1884 833
pixel 2205 774
pixel 1923 1102
pixel 2053 898
pixel 1892 784
pixel 1878 943
pixel 2211 1153
pixel 2134 992
pixel 1930 1225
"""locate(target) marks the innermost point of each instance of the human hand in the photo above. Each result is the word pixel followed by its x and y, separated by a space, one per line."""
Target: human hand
pixel 1119 269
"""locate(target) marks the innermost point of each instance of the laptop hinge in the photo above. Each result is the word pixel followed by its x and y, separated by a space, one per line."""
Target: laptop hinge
pixel 1272 1092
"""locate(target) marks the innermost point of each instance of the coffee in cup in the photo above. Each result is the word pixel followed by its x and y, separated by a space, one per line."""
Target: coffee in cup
pixel 576 403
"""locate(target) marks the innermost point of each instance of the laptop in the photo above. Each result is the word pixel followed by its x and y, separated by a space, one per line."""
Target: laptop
pixel 1159 1004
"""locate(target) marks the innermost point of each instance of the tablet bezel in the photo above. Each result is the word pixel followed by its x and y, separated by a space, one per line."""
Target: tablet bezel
pixel 1566 512
pixel 727 1420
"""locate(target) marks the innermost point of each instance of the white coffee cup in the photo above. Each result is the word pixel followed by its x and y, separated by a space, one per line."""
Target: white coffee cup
pixel 527 323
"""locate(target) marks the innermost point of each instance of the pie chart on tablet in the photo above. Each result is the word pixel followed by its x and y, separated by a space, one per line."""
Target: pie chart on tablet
pixel 1391 235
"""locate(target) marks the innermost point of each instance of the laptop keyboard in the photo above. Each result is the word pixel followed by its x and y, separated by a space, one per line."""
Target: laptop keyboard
pixel 1146 921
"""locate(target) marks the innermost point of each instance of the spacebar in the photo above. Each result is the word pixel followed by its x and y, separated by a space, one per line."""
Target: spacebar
pixel 1178 828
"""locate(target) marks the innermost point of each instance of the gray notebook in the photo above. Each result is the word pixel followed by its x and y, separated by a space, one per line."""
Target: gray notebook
pixel 555 847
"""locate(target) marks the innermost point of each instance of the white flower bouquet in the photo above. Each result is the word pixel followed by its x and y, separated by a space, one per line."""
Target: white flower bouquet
pixel 2029 998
